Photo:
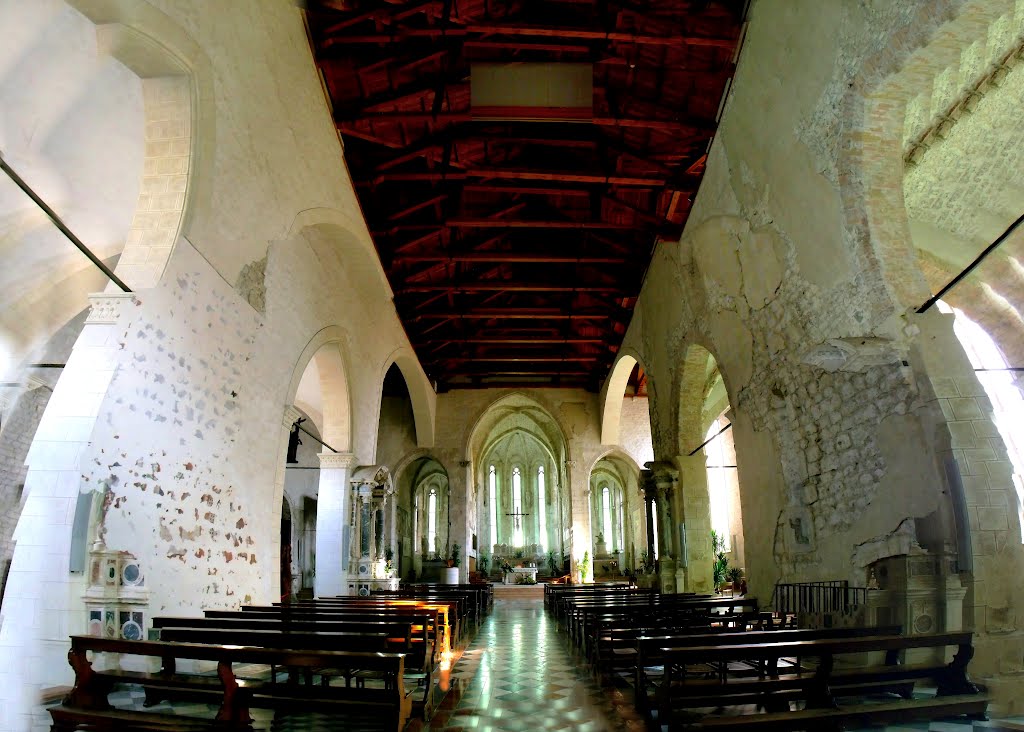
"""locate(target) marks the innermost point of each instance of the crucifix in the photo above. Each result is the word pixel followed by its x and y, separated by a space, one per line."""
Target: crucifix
pixel 516 516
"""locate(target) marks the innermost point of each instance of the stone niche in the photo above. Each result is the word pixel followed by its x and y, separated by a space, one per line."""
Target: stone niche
pixel 116 599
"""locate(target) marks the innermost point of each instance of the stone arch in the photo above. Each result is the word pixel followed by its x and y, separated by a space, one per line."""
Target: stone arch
pixel 180 129
pixel 327 350
pixel 634 525
pixel 422 395
pixel 479 430
pixel 611 396
pixel 693 387
pixel 350 237
pixel 871 165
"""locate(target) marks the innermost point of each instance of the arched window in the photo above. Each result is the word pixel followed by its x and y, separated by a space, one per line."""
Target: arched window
pixel 492 490
pixel 998 381
pixel 517 506
pixel 541 513
pixel 606 511
pixel 432 521
pixel 719 480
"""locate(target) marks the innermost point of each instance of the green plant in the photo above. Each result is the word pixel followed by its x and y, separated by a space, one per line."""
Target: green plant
pixel 525 579
pixel 583 566
pixel 455 560
pixel 519 554
pixel 552 563
pixel 482 562
pixel 735 575
pixel 720 568
pixel 505 566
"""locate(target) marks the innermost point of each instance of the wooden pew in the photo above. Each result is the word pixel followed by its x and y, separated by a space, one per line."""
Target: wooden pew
pixel 819 690
pixel 679 606
pixel 407 635
pixel 87 704
pixel 450 608
pixel 648 655
pixel 420 655
pixel 440 629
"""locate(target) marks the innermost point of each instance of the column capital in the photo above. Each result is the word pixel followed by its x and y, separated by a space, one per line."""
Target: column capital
pixel 336 460
pixel 291 415
pixel 571 464
pixel 106 307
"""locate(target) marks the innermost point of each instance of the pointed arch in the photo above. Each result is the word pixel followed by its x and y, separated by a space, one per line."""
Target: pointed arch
pixel 421 393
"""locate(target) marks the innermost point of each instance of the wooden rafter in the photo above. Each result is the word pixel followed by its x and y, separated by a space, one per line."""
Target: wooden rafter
pixel 516 248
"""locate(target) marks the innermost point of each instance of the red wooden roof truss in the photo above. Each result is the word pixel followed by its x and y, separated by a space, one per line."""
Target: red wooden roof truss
pixel 516 249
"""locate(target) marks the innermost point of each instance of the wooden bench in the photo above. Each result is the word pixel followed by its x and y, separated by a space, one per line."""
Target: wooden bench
pixel 701 676
pixel 447 610
pixel 679 606
pixel 440 629
pixel 391 636
pixel 87 704
pixel 419 648
pixel 647 653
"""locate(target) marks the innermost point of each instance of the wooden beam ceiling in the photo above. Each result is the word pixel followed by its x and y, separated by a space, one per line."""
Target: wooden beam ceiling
pixel 516 247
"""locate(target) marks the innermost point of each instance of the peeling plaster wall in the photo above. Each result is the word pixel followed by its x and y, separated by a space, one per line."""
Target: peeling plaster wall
pixel 764 273
pixel 205 374
pixel 190 437
pixel 837 433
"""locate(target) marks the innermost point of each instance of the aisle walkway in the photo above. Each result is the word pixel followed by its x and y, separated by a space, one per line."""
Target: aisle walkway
pixel 518 675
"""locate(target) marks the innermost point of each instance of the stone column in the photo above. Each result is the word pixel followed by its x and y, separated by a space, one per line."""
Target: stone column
pixel 580 532
pixel 983 498
pixel 460 502
pixel 693 507
pixel 661 479
pixel 38 610
pixel 649 493
pixel 332 526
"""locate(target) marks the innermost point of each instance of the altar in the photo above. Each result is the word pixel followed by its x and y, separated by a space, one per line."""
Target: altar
pixel 513 577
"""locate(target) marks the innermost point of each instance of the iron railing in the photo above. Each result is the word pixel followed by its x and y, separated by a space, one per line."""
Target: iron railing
pixel 834 596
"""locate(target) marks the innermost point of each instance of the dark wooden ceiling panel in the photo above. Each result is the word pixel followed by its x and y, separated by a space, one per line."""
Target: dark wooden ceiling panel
pixel 516 242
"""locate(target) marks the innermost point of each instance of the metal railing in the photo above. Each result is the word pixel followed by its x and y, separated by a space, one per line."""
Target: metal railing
pixel 835 596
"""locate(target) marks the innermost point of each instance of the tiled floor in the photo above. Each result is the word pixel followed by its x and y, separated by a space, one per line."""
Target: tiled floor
pixel 517 674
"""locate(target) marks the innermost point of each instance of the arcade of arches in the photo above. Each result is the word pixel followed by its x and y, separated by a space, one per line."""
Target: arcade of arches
pixel 775 383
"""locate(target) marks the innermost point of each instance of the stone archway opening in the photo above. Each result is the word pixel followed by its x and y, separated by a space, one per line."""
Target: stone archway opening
pixel 709 473
pixel 425 536
pixel 525 513
pixel 618 515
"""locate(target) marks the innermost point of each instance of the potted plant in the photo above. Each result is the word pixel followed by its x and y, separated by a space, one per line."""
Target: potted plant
pixel 735 575
pixel 720 567
pixel 482 563
pixel 451 575
pixel 552 563
pixel 389 565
